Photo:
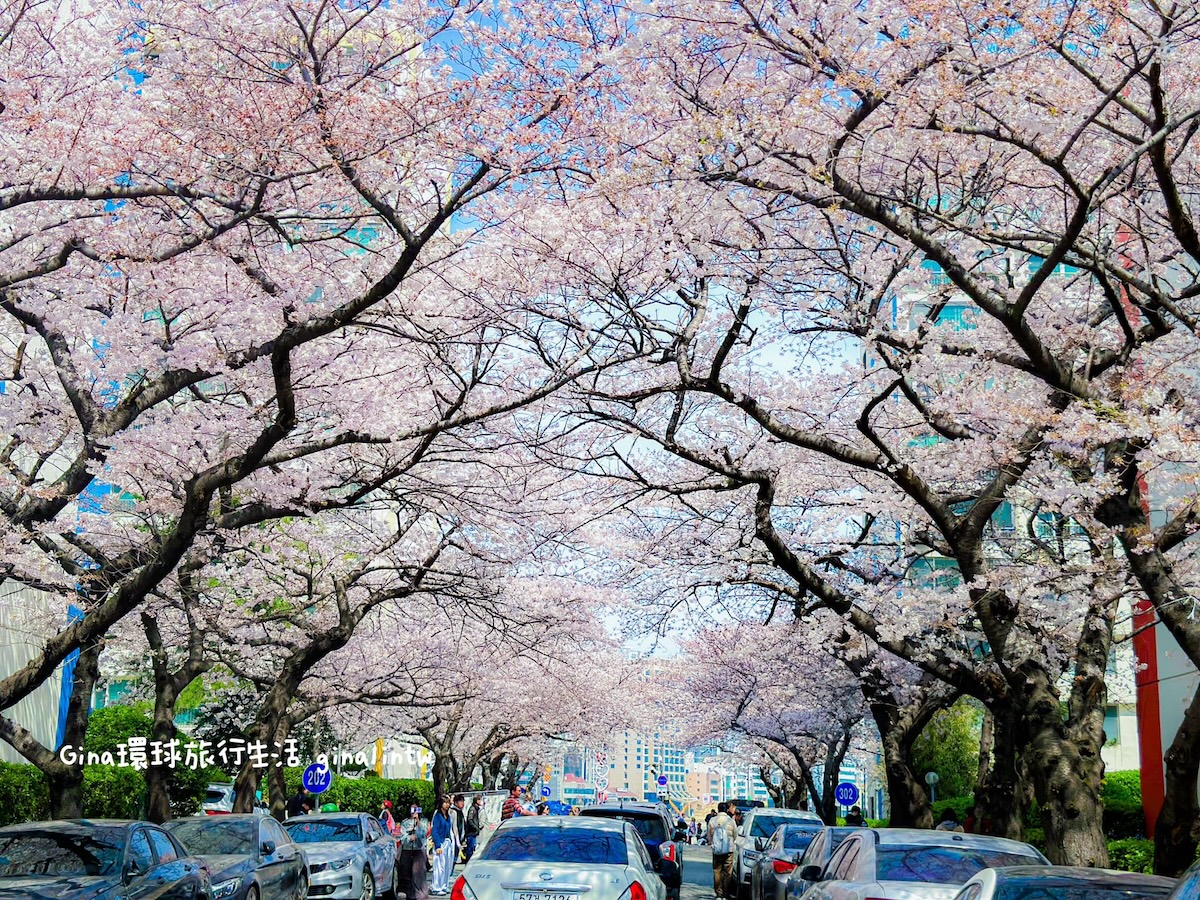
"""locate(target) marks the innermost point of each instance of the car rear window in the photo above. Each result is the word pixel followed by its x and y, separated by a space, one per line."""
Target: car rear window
pixel 1032 890
pixel 942 865
pixel 799 838
pixel 648 825
pixel 557 845
pixel 764 826
pixel 75 853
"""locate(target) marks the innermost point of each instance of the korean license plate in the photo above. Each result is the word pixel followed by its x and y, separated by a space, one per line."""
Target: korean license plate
pixel 543 895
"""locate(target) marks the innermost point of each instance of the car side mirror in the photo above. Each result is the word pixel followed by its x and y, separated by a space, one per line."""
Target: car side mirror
pixel 131 871
pixel 811 873
pixel 268 847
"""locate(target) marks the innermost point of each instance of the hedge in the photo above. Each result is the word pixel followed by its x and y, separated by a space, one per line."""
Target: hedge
pixel 368 794
pixel 1132 855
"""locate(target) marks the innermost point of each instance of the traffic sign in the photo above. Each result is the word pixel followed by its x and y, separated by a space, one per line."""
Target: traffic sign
pixel 662 780
pixel 317 778
pixel 545 790
pixel 846 794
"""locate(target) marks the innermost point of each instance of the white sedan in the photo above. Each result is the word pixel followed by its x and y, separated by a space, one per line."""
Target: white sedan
pixel 912 864
pixel 561 858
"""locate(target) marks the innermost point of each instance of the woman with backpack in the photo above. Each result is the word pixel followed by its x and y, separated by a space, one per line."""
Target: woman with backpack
pixel 722 833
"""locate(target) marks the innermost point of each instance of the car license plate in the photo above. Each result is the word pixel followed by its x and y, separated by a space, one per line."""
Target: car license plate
pixel 544 895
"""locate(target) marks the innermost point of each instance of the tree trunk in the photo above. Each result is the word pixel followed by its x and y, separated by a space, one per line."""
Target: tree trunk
pixel 1175 829
pixel 999 795
pixel 66 792
pixel 158 799
pixel 1067 771
pixel 907 796
pixel 277 784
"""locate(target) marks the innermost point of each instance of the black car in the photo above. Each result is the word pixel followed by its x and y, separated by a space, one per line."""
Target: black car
pixel 654 827
pixel 97 859
pixel 250 857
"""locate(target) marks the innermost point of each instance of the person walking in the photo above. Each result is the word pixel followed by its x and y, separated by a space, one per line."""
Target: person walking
pixel 443 848
pixel 413 863
pixel 458 823
pixel 386 819
pixel 722 833
pixel 512 805
pixel 472 827
pixel 854 818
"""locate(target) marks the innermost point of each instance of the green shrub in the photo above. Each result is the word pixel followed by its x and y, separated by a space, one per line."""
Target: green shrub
pixel 1123 814
pixel 113 792
pixel 114 725
pixel 964 806
pixel 26 798
pixel 1132 855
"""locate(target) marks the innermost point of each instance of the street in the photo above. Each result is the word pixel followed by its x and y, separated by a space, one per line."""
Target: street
pixel 697 873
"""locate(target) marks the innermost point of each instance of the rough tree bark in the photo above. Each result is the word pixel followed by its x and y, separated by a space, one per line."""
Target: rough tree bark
pixel 1175 831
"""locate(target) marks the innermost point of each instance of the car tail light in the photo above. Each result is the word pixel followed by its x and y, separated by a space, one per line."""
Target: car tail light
pixel 459 892
pixel 636 891
pixel 782 866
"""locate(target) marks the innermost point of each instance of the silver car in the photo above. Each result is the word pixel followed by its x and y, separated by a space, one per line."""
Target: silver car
pixel 781 855
pixel 350 856
pixel 913 864
pixel 759 824
pixel 1065 883
pixel 561 858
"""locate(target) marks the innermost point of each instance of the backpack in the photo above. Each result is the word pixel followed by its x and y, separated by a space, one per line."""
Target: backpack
pixel 721 844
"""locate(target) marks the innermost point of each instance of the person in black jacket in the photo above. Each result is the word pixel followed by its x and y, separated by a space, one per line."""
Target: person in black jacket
pixel 299 804
pixel 472 827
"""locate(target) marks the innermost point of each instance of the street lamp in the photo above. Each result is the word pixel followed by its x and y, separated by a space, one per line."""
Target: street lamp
pixel 931 779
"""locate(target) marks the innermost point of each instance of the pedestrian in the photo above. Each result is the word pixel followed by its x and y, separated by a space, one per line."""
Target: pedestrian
pixel 458 822
pixel 722 833
pixel 413 862
pixel 949 821
pixel 854 818
pixel 512 805
pixel 473 826
pixel 386 819
pixel 295 805
pixel 442 834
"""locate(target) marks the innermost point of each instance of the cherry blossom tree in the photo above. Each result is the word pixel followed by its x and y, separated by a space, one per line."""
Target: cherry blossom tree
pixel 251 284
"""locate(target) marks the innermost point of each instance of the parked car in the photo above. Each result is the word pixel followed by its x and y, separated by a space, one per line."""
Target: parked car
pixel 653 823
pixel 756 829
pixel 769 877
pixel 1064 883
pixel 909 863
pixel 218 799
pixel 97 859
pixel 249 857
pixel 561 858
pixel 814 858
pixel 349 855
pixel 1189 884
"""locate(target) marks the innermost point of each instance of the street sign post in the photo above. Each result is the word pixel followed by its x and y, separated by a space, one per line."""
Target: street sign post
pixel 662 780
pixel 545 790
pixel 846 794
pixel 317 778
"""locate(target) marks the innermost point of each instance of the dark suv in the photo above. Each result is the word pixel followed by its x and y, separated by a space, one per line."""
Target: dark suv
pixel 653 825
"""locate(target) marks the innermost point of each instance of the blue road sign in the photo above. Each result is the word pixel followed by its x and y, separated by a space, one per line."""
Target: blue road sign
pixel 846 794
pixel 317 778
pixel 545 790
pixel 662 780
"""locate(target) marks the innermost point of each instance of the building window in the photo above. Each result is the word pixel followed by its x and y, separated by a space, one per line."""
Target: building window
pixel 1112 725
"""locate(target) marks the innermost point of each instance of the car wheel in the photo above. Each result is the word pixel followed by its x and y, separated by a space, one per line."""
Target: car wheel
pixel 302 885
pixel 252 894
pixel 368 888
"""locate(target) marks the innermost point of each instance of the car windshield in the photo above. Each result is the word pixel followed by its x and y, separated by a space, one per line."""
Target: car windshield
pixel 63 854
pixel 324 830
pixel 799 838
pixel 215 834
pixel 649 826
pixel 942 865
pixel 1031 890
pixel 557 845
